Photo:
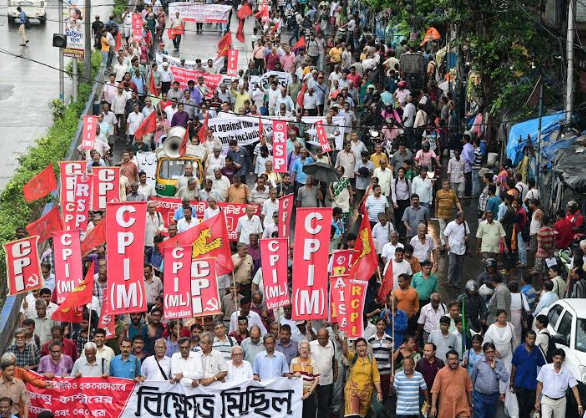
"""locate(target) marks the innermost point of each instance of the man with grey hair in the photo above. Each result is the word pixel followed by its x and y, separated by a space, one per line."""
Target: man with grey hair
pixel 135 195
pixel 189 191
pixel 269 363
pixel 89 365
pixel 220 183
pixel 186 365
pixel 323 353
pixel 238 368
pixel 27 354
pixel 213 364
pixel 253 344
pixel 43 323
pixel 456 233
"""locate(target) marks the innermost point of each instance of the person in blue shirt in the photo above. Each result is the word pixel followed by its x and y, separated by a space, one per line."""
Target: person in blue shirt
pixel 528 290
pixel 269 363
pixel 400 321
pixel 526 359
pixel 126 365
pixel 493 201
pixel 21 28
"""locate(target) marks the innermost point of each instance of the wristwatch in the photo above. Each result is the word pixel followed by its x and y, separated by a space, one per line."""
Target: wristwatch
pixel 215 379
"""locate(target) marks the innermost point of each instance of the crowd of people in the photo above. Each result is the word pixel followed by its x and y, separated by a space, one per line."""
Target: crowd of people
pixel 404 159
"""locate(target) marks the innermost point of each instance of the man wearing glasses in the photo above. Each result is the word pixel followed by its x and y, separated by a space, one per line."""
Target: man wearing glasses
pixel 487 374
pixel 55 363
pixel 238 368
pixel 186 365
pixel 27 354
pixel 213 365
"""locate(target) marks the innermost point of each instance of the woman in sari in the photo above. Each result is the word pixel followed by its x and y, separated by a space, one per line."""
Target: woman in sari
pixel 363 378
pixel 407 350
pixel 341 194
pixel 502 335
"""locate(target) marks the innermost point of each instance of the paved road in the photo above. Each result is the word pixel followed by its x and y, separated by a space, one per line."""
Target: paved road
pixel 26 88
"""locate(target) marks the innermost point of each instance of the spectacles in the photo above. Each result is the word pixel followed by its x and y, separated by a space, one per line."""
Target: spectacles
pixel 56 352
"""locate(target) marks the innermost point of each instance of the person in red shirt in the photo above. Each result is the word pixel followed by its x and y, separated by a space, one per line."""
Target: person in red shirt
pixel 564 236
pixel 128 168
pixel 272 59
pixel 69 347
pixel 354 77
pixel 576 218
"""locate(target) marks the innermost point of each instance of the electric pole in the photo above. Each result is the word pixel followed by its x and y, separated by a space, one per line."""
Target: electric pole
pixel 570 58
pixel 61 60
pixel 87 61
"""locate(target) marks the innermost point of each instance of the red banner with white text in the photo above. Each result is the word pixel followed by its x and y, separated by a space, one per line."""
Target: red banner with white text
pixel 88 137
pixel 322 137
pixel 68 172
pixel 83 196
pixel 23 268
pixel 356 293
pixel 232 69
pixel 205 298
pixel 177 282
pixel 279 146
pixel 136 27
pixel 125 236
pixel 183 75
pixel 285 213
pixel 273 254
pixel 310 263
pixel 106 186
pixel 68 266
pixel 338 302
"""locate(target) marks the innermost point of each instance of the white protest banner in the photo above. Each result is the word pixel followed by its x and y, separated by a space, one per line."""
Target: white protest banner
pixel 218 63
pixel 283 77
pixel 147 162
pixel 244 129
pixel 200 12
pixel 123 398
pixel 312 131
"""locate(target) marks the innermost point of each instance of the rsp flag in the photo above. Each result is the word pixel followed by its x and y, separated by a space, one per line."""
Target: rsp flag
pixel 106 186
pixel 205 298
pixel 69 172
pixel 68 268
pixel 310 263
pixel 273 254
pixel 83 195
pixel 338 302
pixel 125 236
pixel 88 137
pixel 22 265
pixel 285 213
pixel 279 146
pixel 177 282
pixel 356 292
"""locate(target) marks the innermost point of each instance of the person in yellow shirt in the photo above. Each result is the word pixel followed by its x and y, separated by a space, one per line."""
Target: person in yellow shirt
pixel 445 201
pixel 335 56
pixel 105 49
pixel 378 156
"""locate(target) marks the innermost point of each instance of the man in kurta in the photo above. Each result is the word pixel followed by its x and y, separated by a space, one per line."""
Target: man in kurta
pixel 453 387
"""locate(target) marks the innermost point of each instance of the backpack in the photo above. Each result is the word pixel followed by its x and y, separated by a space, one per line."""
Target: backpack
pixel 548 356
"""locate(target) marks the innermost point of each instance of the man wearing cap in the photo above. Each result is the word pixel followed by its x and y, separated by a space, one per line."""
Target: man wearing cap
pixel 166 77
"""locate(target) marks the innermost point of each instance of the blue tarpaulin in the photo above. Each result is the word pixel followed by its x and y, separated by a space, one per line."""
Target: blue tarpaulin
pixel 519 132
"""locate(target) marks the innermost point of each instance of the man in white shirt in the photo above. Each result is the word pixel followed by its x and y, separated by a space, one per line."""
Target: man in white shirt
pixel 381 233
pixel 253 317
pixel 323 354
pixel 220 183
pixel 171 109
pixel 157 366
pixel 188 221
pixel 388 250
pixel 269 207
pixel 186 366
pixel 423 187
pixel 238 368
pixel 213 364
pixel 249 224
pixel 456 233
pixel 400 266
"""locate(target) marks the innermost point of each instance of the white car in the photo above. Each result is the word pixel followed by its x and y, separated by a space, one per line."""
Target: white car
pixel 34 9
pixel 567 327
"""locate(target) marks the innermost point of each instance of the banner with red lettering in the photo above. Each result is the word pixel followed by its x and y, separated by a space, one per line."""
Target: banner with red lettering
pixel 338 295
pixel 205 297
pixel 177 282
pixel 88 137
pixel 310 263
pixel 232 69
pixel 356 293
pixel 83 196
pixel 167 206
pixel 23 268
pixel 69 170
pixel 341 262
pixel 279 146
pixel 106 186
pixel 68 266
pixel 322 137
pixel 84 396
pixel 183 75
pixel 136 27
pixel 285 213
pixel 125 236
pixel 273 254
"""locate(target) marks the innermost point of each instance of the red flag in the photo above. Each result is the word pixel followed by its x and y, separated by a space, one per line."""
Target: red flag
pixel 300 44
pixel 118 44
pixel 240 32
pixel 365 257
pixel 71 310
pixel 148 126
pixel 209 239
pixel 153 87
pixel 203 131
pixel 40 185
pixel 224 45
pixel 107 322
pixel 96 236
pixel 50 222
pixel 386 286
pixel 244 11
pixel 277 26
pixel 183 146
pixel 300 97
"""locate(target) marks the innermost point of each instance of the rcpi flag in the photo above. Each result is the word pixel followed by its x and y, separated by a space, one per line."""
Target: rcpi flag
pixel 71 310
pixel 40 185
pixel 224 45
pixel 366 259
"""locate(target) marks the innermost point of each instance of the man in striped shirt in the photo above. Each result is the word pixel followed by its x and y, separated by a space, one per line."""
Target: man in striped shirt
pixel 382 345
pixel 407 384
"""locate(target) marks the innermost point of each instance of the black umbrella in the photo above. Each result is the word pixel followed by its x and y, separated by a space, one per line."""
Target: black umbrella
pixel 322 172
